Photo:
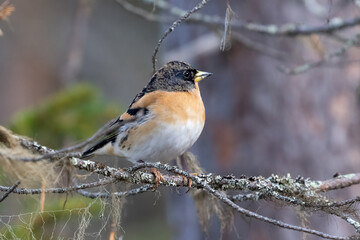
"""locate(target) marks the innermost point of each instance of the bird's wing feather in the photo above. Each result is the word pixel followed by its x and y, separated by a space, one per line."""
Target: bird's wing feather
pixel 137 111
pixel 140 104
pixel 110 131
pixel 106 134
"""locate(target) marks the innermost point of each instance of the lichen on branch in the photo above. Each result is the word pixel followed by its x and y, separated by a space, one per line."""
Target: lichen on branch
pixel 299 191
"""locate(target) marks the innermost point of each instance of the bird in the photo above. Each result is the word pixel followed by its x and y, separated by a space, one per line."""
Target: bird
pixel 162 122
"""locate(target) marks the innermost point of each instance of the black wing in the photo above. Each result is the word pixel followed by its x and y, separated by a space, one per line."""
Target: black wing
pixel 110 131
pixel 106 134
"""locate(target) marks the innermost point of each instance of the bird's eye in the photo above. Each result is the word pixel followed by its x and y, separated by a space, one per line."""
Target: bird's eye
pixel 187 75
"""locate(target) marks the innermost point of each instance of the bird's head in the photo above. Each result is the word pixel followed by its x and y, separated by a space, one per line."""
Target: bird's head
pixel 176 76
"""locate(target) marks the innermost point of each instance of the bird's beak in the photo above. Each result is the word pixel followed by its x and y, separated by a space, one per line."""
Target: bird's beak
pixel 201 75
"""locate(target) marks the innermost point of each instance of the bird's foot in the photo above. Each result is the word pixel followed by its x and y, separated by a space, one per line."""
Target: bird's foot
pixel 188 181
pixel 158 176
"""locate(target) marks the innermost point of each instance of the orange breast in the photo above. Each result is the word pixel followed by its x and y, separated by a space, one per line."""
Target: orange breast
pixel 174 107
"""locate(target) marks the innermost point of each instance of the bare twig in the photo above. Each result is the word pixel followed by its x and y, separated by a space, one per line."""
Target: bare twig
pixel 350 220
pixel 150 16
pixel 287 29
pixel 341 181
pixel 9 190
pixel 307 66
pixel 225 40
pixel 172 28
pixel 27 191
pixel 236 36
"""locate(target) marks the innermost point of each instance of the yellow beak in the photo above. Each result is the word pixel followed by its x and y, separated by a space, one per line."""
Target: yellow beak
pixel 201 75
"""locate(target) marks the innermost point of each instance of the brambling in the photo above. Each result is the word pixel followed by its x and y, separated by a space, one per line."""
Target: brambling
pixel 163 121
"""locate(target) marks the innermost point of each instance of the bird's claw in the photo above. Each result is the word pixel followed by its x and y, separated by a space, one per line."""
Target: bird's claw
pixel 188 181
pixel 158 177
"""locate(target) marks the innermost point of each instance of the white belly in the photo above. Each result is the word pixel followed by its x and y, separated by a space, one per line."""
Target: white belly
pixel 166 142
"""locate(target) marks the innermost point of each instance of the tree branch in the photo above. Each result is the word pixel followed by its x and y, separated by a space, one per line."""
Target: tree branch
pixel 338 182
pixel 310 65
pixel 59 190
pixel 135 191
pixel 300 192
pixel 9 190
pixel 256 46
pixel 172 28
pixel 287 29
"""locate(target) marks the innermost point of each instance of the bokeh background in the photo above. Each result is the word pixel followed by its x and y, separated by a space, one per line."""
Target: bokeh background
pixel 66 67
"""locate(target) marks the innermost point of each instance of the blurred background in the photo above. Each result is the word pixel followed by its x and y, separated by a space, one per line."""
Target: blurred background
pixel 66 67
